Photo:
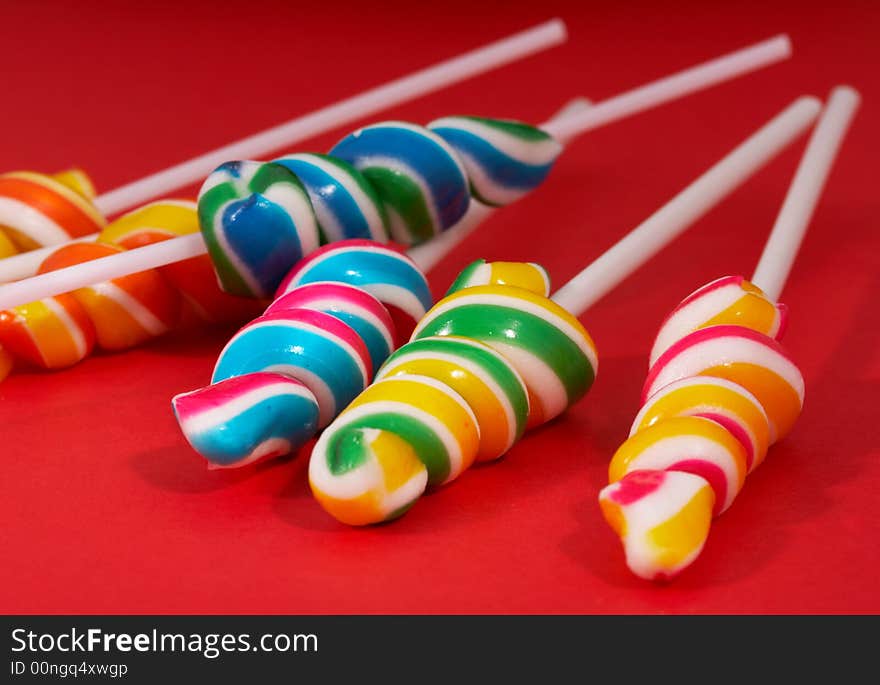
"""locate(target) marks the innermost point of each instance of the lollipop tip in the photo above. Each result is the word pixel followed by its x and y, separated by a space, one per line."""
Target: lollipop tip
pixel 558 25
pixel 846 91
pixel 784 41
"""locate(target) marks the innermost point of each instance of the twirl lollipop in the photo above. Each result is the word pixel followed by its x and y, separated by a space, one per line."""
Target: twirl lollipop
pixel 489 360
pixel 720 388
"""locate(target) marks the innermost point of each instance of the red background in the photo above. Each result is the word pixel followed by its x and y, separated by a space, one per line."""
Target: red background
pixel 105 509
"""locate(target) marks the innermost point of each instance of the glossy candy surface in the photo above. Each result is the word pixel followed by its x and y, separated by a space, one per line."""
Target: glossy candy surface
pixel 505 160
pixel 257 221
pixel 720 400
pixel 727 300
pixel 193 278
pixel 751 359
pixel 312 347
pixel 547 346
pixel 37 210
pixel 720 390
pixel 662 517
pixel 353 306
pixel 400 435
pixel 420 179
pixel 690 444
pixel 322 333
pixel 345 203
pixel 247 418
pixel 492 388
pixel 387 274
pixel 391 178
pixel 525 275
pixel 125 311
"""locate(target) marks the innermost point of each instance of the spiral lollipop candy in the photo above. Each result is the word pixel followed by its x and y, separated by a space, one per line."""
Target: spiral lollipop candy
pixel 60 331
pixel 733 390
pixel 713 402
pixel 39 209
pixel 504 160
pixel 52 334
pixel 192 278
pixel 706 371
pixel 420 179
pixel 257 222
pixel 126 311
pixel 327 333
pixel 260 219
pixel 319 352
pixel 258 415
pixel 483 349
pixel 317 349
pixel 690 444
pixel 455 373
pixel 399 436
pixel 512 171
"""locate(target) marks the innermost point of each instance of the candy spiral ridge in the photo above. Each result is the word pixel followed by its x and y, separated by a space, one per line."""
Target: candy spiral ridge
pixel 391 178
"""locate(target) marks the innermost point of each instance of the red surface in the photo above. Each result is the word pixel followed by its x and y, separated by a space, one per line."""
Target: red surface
pixel 105 509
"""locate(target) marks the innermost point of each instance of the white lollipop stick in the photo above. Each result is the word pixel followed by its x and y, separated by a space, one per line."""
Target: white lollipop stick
pixel 400 90
pixel 677 85
pixel 803 194
pixel 565 128
pixel 26 263
pixel 643 242
pixel 633 101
